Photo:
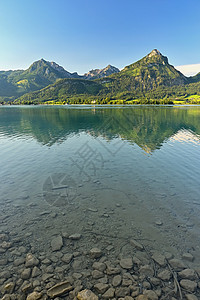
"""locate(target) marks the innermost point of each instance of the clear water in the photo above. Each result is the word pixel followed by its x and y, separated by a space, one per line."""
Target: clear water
pixel 108 173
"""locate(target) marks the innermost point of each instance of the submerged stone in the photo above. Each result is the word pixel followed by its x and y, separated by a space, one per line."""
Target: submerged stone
pixel 86 295
pixel 59 289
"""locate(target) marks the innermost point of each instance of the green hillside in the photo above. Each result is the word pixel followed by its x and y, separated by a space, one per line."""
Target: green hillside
pixel 63 90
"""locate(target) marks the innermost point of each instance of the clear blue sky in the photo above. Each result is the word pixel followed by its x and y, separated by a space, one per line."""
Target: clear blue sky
pixel 85 34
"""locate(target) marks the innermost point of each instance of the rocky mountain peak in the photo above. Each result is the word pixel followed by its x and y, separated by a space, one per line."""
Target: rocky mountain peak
pixel 100 73
pixel 154 52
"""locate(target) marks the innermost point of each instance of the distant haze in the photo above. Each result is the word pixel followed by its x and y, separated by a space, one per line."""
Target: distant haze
pixel 189 70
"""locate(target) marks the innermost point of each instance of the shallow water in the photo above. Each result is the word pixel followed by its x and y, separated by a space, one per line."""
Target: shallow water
pixel 111 174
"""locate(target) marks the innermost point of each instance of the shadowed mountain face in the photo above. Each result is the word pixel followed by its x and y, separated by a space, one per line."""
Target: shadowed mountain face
pixel 148 127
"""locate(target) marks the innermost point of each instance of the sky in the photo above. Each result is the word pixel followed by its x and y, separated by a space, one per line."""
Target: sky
pixel 82 35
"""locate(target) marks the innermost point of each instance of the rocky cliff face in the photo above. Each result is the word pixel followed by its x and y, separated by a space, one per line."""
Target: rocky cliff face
pixel 100 73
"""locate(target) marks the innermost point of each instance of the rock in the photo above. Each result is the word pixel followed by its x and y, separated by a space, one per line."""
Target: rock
pixel 26 273
pixel 146 285
pixel 45 277
pixel 187 274
pixel 121 292
pixel 151 295
pixel 127 279
pixel 147 270
pixel 26 287
pixel 77 276
pixel 31 260
pixel 36 283
pixel 9 287
pixel 128 298
pixel 97 274
pixel 177 264
pixel 188 256
pixel 99 266
pixel 67 258
pixel 164 275
pixel 36 272
pixel 101 287
pixel 86 295
pixel 116 280
pixel 168 255
pixel 95 253
pixel 19 261
pixel 188 285
pixel 112 271
pixel 126 263
pixel 191 297
pixel 159 259
pixel 155 281
pixel 57 243
pixel 75 236
pixel 46 261
pixel 136 245
pixel 142 297
pixel 34 296
pixel 159 223
pixel 109 293
pixel 59 289
pixel 3 261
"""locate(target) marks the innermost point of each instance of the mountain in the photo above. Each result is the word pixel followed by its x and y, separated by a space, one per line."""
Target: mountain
pixel 99 73
pixel 40 74
pixel 148 80
pixel 146 74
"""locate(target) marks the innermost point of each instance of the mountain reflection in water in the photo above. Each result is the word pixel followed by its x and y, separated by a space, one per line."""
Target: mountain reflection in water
pixel 148 127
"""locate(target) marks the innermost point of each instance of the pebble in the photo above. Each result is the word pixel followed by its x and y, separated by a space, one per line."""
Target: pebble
pixel 109 293
pixel 59 289
pixel 112 271
pixel 97 274
pixel 188 285
pixel 31 260
pixel 67 258
pixel 35 272
pixel 187 274
pixel 57 243
pixel 159 223
pixel 142 297
pixel 26 273
pixel 136 245
pixel 116 280
pixel 9 288
pixel 126 263
pixel 177 264
pixel 188 257
pixel 101 287
pixel 164 275
pixel 147 270
pixel 19 261
pixel 191 297
pixel 34 296
pixel 86 295
pixel 122 291
pixel 151 295
pixel 75 236
pixel 159 259
pixel 99 266
pixel 95 253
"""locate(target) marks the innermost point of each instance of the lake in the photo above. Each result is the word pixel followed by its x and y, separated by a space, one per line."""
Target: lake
pixel 75 178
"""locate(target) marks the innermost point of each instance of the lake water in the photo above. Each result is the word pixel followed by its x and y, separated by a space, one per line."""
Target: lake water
pixel 111 174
